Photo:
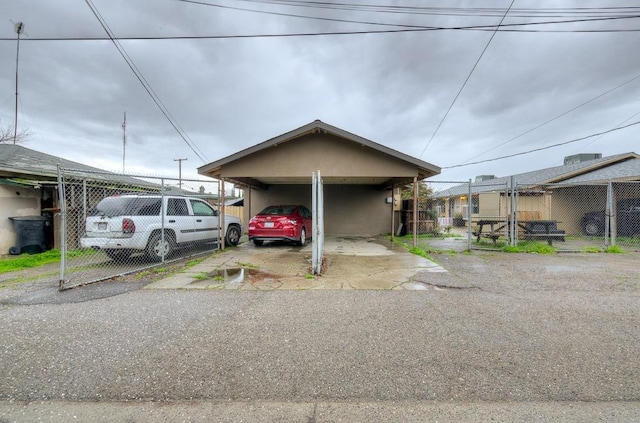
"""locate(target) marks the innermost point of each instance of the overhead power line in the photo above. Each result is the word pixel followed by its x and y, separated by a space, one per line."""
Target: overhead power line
pixel 464 84
pixel 545 148
pixel 145 84
pixel 400 28
pixel 528 131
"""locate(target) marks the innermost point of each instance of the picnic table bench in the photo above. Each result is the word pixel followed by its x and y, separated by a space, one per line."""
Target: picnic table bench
pixel 532 229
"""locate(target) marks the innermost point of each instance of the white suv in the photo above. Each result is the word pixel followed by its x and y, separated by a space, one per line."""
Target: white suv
pixel 123 224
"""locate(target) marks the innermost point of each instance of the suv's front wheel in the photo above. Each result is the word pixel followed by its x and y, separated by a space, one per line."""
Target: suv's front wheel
pixel 158 248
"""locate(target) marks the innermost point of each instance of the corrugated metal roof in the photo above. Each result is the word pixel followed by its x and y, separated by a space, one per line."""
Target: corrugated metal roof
pixel 18 162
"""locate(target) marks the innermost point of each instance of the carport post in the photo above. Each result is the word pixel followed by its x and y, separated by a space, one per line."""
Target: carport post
pixel 221 222
pixel 62 201
pixel 415 211
pixel 469 231
pixel 393 223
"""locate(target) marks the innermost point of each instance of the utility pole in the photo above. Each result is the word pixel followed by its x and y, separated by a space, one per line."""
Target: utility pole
pixel 19 28
pixel 179 171
pixel 124 138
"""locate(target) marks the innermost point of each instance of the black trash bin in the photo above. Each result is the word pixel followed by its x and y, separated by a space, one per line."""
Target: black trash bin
pixel 30 234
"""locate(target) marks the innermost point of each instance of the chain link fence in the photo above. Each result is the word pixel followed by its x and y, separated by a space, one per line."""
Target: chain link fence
pixel 577 217
pixel 580 217
pixel 111 225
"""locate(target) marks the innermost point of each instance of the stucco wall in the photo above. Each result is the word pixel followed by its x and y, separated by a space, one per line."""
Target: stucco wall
pixel 333 156
pixel 15 201
pixel 349 209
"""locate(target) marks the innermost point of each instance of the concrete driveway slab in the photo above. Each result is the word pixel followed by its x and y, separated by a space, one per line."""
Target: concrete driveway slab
pixel 351 263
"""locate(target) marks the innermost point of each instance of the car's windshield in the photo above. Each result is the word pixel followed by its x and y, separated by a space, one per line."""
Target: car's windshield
pixel 127 206
pixel 278 210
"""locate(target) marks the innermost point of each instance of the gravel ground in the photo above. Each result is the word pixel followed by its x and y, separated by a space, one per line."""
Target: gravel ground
pixel 495 329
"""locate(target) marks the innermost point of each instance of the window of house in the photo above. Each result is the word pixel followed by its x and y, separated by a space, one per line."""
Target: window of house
pixel 475 204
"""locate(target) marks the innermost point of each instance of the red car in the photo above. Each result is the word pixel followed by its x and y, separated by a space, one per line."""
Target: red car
pixel 281 223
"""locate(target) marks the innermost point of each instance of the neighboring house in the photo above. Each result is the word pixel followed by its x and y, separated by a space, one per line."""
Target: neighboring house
pixel 562 193
pixel 29 187
pixel 361 178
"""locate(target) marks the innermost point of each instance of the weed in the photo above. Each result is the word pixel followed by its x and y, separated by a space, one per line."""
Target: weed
pixel 530 247
pixel 420 251
pixel 143 274
pixel 309 276
pixel 203 276
pixel 194 262
pixel 490 244
pixel 592 249
pixel 247 265
pixel 615 249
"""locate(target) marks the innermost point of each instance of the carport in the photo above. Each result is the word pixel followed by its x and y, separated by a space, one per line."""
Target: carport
pixel 362 179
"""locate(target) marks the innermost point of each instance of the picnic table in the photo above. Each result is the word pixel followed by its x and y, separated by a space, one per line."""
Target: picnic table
pixel 532 229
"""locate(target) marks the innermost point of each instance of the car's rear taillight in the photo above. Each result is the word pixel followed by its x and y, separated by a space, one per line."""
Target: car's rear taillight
pixel 128 227
pixel 291 222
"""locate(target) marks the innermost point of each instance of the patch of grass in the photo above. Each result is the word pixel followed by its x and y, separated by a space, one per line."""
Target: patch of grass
pixel 13 263
pixel 143 274
pixel 490 244
pixel 203 276
pixel 247 265
pixel 309 276
pixel 193 262
pixel 615 249
pixel 406 242
pixel 420 252
pixel 530 247
pixel 591 249
pixel 511 249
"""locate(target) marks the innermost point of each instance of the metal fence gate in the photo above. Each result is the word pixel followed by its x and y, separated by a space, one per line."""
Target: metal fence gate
pixel 150 206
pixel 317 205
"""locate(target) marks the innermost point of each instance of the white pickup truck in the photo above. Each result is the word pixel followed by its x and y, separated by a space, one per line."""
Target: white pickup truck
pixel 124 224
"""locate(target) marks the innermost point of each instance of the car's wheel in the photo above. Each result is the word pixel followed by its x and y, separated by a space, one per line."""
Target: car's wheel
pixel 157 247
pixel 258 242
pixel 118 255
pixel 303 238
pixel 592 228
pixel 233 235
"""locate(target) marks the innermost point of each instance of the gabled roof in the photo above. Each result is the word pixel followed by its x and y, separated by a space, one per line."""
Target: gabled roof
pixel 620 167
pixel 317 126
pixel 30 167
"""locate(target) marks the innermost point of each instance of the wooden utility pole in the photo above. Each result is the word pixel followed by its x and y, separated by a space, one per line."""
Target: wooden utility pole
pixel 179 171
pixel 124 138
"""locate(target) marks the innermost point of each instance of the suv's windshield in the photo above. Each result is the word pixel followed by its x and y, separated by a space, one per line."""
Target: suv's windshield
pixel 126 206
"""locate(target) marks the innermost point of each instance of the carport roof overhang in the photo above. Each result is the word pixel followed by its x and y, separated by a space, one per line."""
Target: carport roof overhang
pixel 419 169
pixel 264 182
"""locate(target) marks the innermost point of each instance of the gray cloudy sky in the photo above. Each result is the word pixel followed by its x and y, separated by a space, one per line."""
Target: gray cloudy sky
pixel 228 94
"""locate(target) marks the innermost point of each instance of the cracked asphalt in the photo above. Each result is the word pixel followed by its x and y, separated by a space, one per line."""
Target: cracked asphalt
pixel 494 337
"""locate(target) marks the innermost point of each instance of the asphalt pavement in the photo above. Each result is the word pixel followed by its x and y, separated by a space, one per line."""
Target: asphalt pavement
pixel 494 337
